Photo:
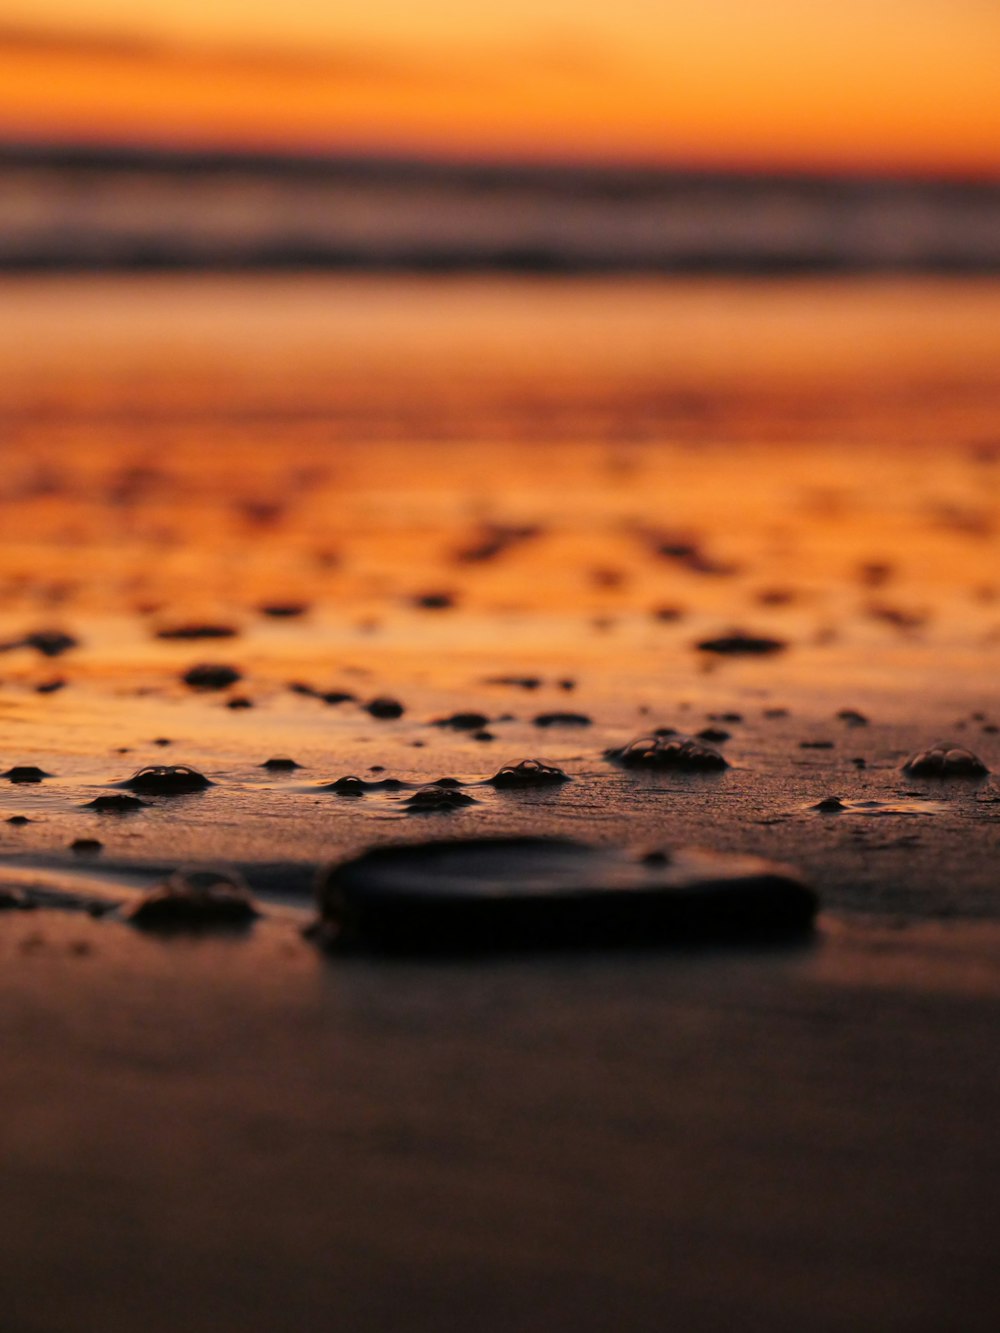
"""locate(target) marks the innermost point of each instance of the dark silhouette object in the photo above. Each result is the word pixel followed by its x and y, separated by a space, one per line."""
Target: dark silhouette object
pixel 529 773
pixel 434 601
pixel 437 799
pixel 852 717
pixel 117 804
pixel 354 786
pixel 167 780
pixel 463 721
pixel 562 720
pixel 945 761
pixel 740 644
pixel 211 676
pixel 50 642
pixel 537 893
pixel 283 610
pixel 197 632
pixel 714 734
pixel 669 753
pixel 384 708
pixel 196 899
pixel 25 773
pixel 86 846
pixel 280 763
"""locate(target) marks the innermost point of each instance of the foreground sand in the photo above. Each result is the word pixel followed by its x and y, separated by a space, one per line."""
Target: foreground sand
pixel 240 1135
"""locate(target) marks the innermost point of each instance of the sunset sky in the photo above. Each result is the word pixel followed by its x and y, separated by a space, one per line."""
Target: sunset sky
pixel 895 85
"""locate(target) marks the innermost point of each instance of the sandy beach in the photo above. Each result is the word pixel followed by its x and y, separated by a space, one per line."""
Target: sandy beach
pixel 565 510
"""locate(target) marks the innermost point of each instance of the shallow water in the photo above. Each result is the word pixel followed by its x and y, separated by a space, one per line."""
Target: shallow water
pixel 461 483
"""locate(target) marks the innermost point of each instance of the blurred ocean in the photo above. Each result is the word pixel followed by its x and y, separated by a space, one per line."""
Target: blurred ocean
pixel 103 208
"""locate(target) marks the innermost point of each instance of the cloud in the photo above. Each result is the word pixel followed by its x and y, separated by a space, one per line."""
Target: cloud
pixel 134 49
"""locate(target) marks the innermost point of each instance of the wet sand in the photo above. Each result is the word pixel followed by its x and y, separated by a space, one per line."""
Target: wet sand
pixel 242 1132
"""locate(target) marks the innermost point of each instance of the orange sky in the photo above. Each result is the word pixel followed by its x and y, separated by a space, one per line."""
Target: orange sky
pixel 893 84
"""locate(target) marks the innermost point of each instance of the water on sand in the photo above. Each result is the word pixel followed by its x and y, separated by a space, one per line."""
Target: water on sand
pixel 258 540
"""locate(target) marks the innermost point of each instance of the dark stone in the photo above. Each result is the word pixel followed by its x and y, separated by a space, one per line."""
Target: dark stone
pixel 562 720
pixel 529 773
pixel 86 846
pixel 280 764
pixel 516 682
pixel 669 754
pixel 197 632
pixel 463 721
pixel 334 697
pixel 434 601
pixel 117 804
pixel 25 773
pixel 18 819
pixel 945 761
pixel 830 805
pixel 714 734
pixel 196 899
pixel 384 708
pixel 354 786
pixel 741 644
pixel 51 642
pixel 211 676
pixel 437 799
pixel 517 893
pixel 167 780
pixel 852 717
pixel 240 702
pixel 51 686
pixel 283 610
pixel 347 786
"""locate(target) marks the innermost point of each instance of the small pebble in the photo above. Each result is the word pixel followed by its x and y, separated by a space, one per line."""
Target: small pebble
pixel 669 753
pixel 86 846
pixel 117 804
pixel 436 799
pixel 434 601
pixel 529 773
pixel 462 721
pixel 384 708
pixel 830 805
pixel 945 761
pixel 211 676
pixel 283 610
pixel 51 642
pixel 167 780
pixel 195 899
pixel 197 632
pixel 740 644
pixel 562 720
pixel 25 773
pixel 852 717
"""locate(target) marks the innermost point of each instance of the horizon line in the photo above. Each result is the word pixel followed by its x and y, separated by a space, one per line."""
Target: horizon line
pixel 125 151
